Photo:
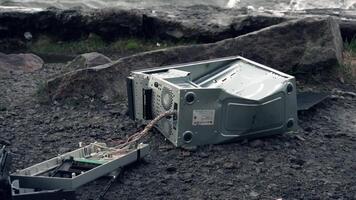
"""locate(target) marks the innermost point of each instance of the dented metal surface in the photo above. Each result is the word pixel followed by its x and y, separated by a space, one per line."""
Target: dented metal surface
pixel 216 101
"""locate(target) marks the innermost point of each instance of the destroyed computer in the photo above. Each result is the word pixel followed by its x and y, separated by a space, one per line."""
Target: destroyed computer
pixel 215 101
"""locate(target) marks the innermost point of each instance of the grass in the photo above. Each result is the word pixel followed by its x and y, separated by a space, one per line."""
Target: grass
pixel 94 43
pixel 347 70
pixel 350 46
pixel 46 45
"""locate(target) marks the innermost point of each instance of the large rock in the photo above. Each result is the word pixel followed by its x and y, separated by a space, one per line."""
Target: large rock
pixel 19 62
pixel 200 23
pixel 347 19
pixel 203 23
pixel 88 60
pixel 296 47
pixel 196 23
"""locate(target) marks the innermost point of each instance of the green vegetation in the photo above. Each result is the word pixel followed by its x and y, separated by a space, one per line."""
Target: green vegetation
pixel 46 45
pixel 124 46
pixel 41 93
pixel 347 70
pixel 350 46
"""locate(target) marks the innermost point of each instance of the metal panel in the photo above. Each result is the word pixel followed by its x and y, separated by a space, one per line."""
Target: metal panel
pixel 307 100
pixel 34 176
pixel 130 97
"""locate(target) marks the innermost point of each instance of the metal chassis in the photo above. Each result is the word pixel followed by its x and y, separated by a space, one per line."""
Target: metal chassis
pixel 31 177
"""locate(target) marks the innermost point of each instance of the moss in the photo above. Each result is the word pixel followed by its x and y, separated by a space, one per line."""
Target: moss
pixel 132 44
pixel 94 43
pixel 46 45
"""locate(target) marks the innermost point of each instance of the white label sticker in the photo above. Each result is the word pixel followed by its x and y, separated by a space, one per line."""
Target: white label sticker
pixel 203 117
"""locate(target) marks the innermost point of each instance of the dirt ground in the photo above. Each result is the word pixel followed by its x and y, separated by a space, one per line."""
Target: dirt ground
pixel 316 162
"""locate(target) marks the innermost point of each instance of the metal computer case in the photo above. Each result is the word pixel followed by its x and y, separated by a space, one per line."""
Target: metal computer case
pixel 216 101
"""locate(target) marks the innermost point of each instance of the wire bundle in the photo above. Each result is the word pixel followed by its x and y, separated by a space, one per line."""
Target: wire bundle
pixel 124 147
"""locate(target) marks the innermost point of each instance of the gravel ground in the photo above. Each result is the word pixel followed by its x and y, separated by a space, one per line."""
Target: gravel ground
pixel 317 162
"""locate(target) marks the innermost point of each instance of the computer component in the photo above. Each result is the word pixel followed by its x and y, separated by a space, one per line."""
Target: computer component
pixel 74 169
pixel 216 101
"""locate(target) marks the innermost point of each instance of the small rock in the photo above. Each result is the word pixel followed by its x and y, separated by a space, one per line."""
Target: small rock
pixel 63 150
pixel 260 160
pixel 212 164
pixel 254 194
pixel 187 177
pixel 299 138
pixel 166 147
pixel 51 138
pixel 353 167
pixel 296 167
pixel 308 129
pixel 272 185
pixel 88 60
pixel 4 142
pixel 190 148
pixel 258 170
pixel 171 169
pixel 211 182
pixel 28 35
pixel 203 155
pixel 230 183
pixel 104 98
pixel 229 165
pixel 93 134
pixel 136 183
pixel 256 143
pixel 186 153
pixel 116 112
pixel 14 149
pixel 297 161
pixel 244 142
pixel 350 94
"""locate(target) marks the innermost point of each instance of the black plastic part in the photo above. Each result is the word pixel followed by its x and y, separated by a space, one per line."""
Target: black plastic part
pixel 5 186
pixel 290 123
pixel 69 166
pixel 188 136
pixel 190 98
pixel 307 100
pixel 290 88
pixel 138 155
pixel 64 169
pixel 130 97
pixel 147 104
pixel 117 176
